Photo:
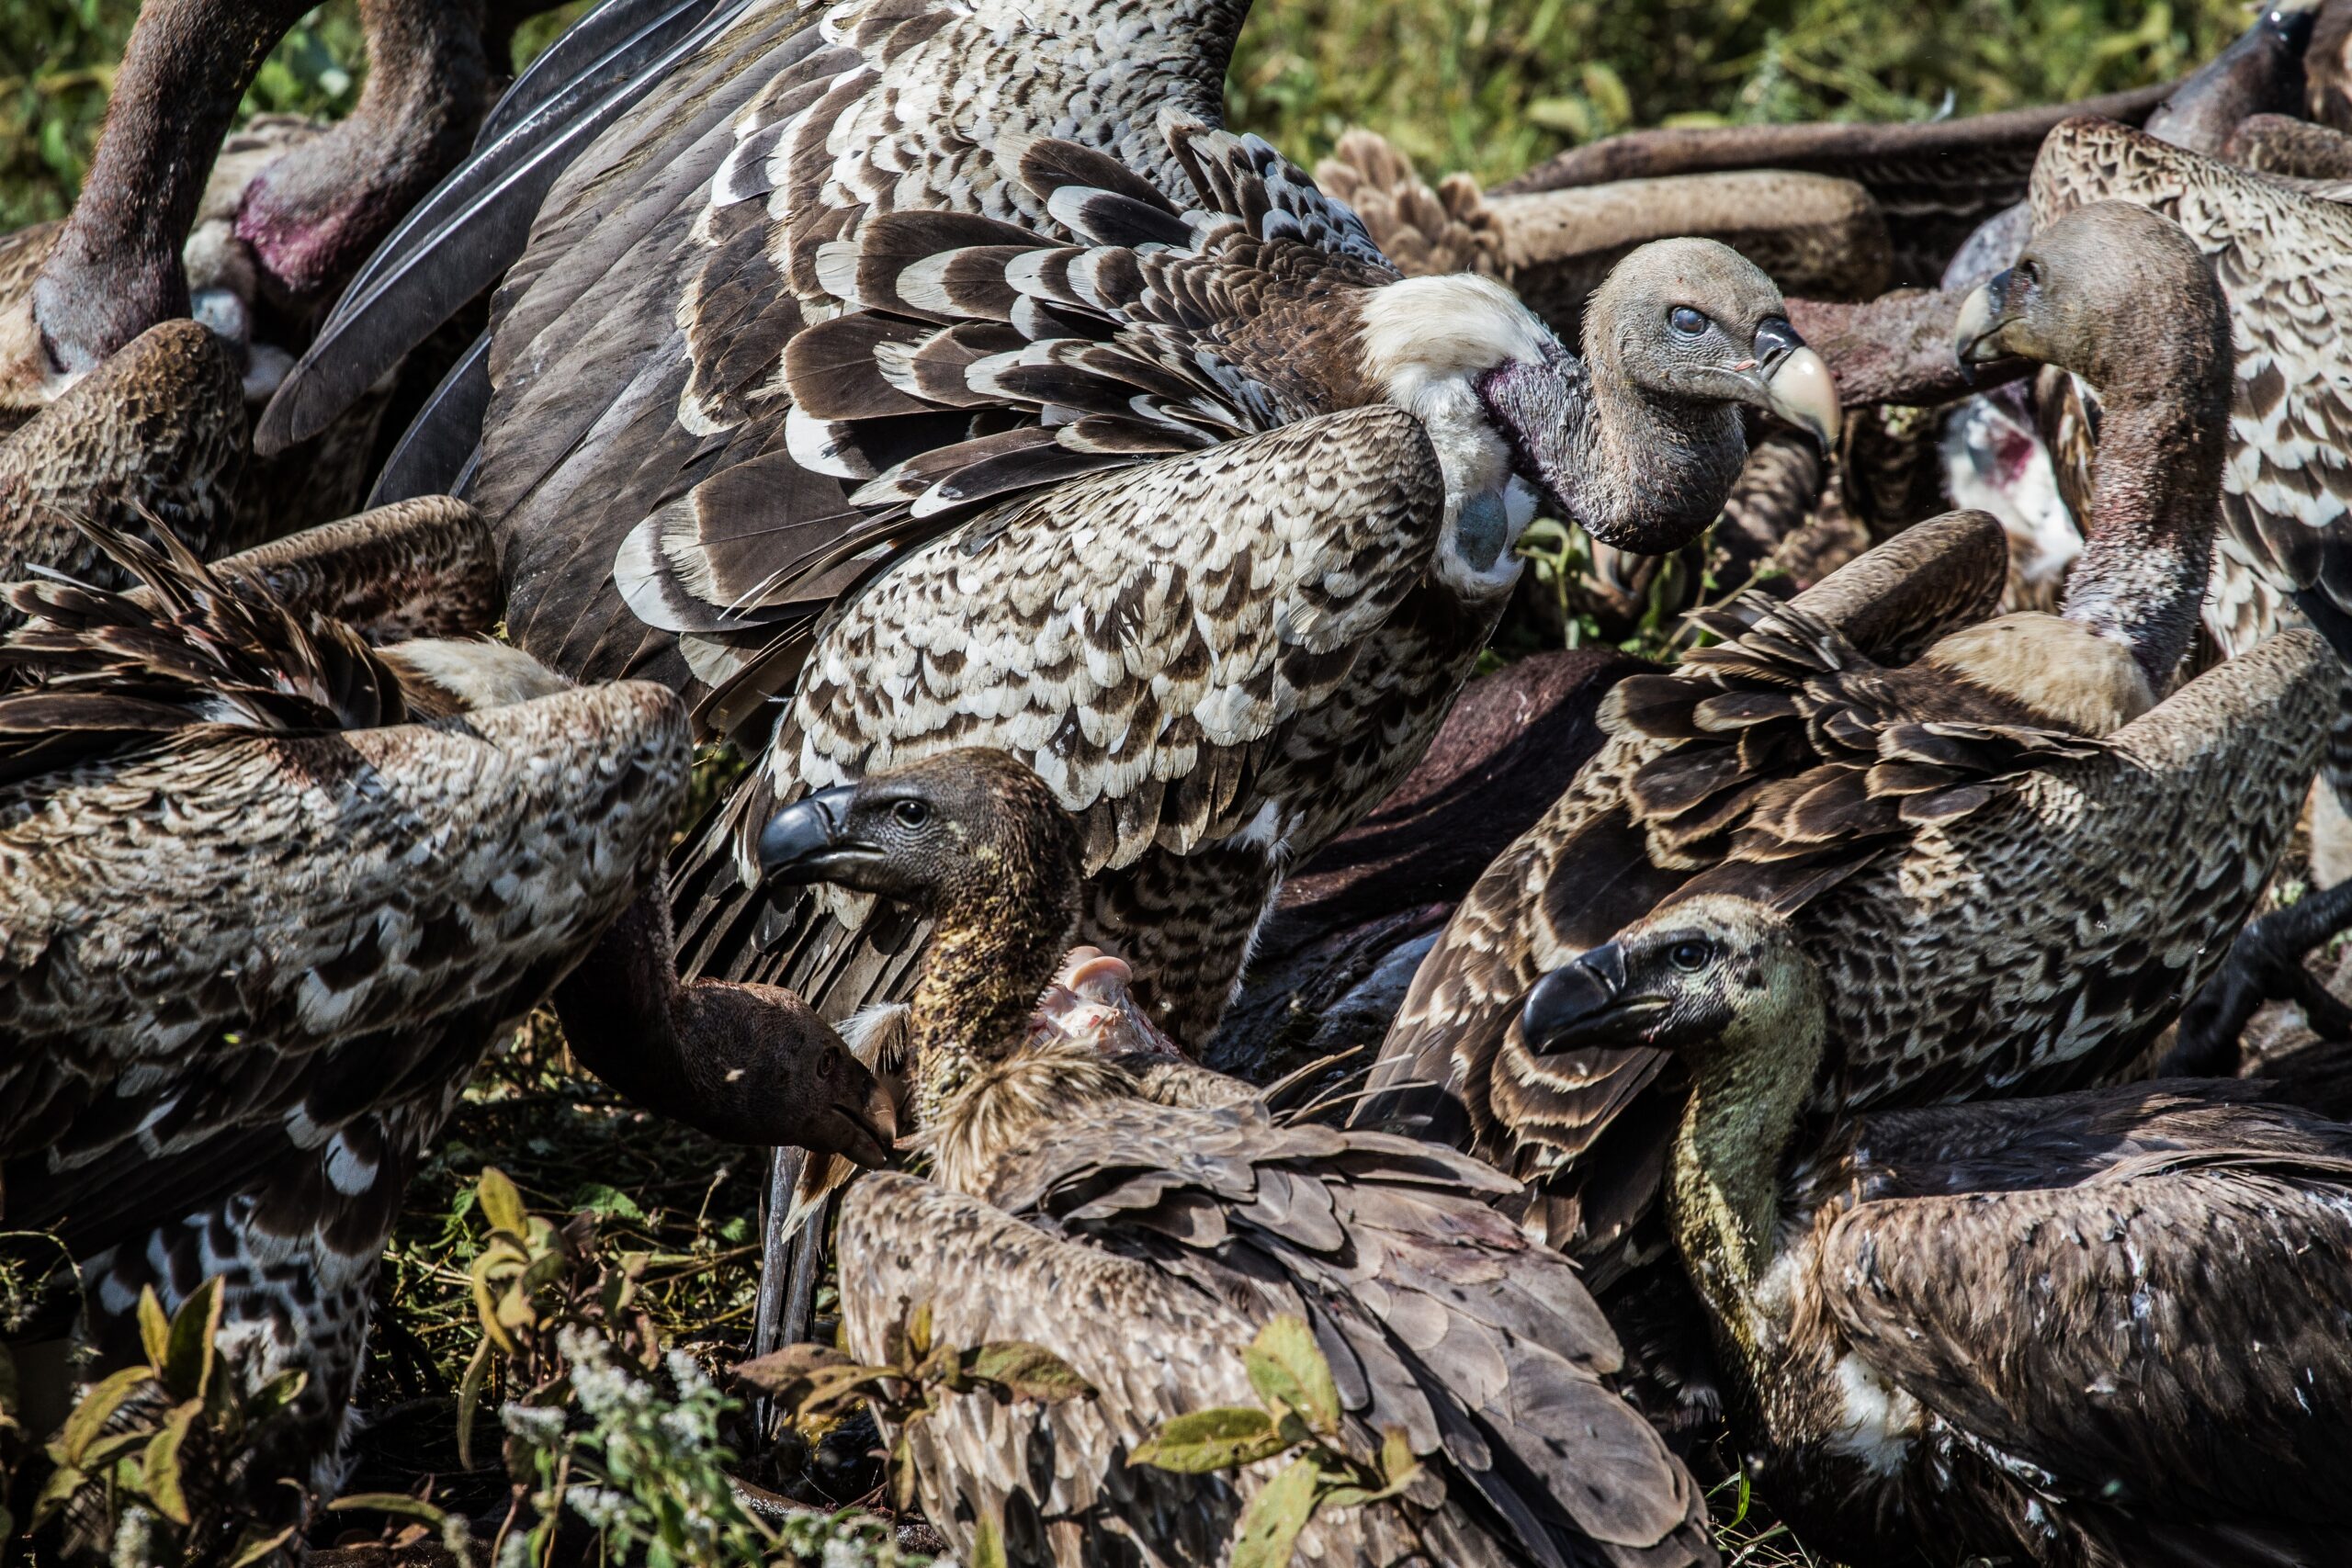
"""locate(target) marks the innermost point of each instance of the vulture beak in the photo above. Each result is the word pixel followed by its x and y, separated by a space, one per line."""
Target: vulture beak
pixel 863 1123
pixel 1583 1003
pixel 806 842
pixel 1976 335
pixel 1796 381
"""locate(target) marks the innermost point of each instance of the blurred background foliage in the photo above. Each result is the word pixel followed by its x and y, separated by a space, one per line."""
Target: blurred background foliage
pixel 1486 85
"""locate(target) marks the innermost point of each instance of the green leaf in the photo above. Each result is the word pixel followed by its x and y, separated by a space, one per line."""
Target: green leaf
pixel 64 1481
pixel 1203 1441
pixel 1268 1528
pixel 187 1362
pixel 256 1550
pixel 1026 1372
pixel 154 1328
pixel 1289 1372
pixel 501 1205
pixel 987 1545
pixel 161 1467
pixel 98 1406
pixel 469 1402
pixel 398 1503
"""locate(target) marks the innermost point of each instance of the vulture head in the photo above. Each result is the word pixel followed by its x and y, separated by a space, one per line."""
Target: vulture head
pixel 1638 441
pixel 1715 979
pixel 2079 285
pixel 960 833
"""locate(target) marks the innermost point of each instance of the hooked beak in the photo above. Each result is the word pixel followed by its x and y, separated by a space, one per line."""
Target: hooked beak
pixel 1583 1003
pixel 805 841
pixel 1796 382
pixel 863 1123
pixel 1976 335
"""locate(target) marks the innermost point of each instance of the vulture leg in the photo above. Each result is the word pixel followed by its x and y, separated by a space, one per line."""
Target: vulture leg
pixel 1184 923
pixel 2266 963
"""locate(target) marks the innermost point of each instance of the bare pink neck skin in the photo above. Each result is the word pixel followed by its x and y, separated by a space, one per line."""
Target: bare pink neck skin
pixel 115 270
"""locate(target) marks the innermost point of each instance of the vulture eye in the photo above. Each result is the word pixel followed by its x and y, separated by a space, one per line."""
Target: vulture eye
pixel 1687 322
pixel 910 813
pixel 1691 956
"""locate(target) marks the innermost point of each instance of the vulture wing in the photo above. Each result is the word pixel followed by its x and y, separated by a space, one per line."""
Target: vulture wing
pixel 219 959
pixel 1585 871
pixel 1160 642
pixel 2108 1294
pixel 1437 1315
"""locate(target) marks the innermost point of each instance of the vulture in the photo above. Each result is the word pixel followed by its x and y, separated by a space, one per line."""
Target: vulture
pixel 887 414
pixel 2084 1330
pixel 1142 1218
pixel 2281 555
pixel 1936 849
pixel 281 854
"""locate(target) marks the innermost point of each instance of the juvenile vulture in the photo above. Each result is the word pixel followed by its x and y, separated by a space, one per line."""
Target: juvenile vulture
pixel 264 899
pixel 2087 1330
pixel 1943 802
pixel 1142 1218
pixel 2283 554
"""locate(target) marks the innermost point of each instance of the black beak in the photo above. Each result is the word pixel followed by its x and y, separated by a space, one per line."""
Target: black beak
pixel 1584 1003
pixel 803 843
pixel 1775 341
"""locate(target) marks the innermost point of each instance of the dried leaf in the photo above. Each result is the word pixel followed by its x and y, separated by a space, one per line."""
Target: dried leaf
pixel 398 1503
pixel 1203 1441
pixel 486 1302
pixel 257 1550
pixel 1024 1370
pixel 1270 1526
pixel 161 1467
pixel 779 1372
pixel 1288 1370
pixel 902 1473
pixel 469 1402
pixel 501 1205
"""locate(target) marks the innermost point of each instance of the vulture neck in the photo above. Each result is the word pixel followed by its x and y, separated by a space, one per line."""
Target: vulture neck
pixel 2148 543
pixel 313 216
pixel 1649 471
pixel 1723 1179
pixel 996 943
pixel 115 270
pixel 713 1055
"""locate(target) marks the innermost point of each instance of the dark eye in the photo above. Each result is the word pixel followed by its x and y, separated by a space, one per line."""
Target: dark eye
pixel 1691 956
pixel 1687 322
pixel 910 813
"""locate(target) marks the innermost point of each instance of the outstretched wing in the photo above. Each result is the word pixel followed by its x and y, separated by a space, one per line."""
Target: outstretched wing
pixel 218 957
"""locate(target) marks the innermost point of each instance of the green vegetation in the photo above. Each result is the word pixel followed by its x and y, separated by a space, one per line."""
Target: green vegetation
pixel 1488 85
